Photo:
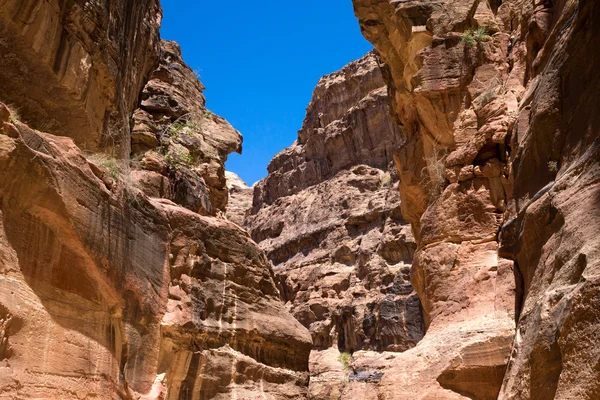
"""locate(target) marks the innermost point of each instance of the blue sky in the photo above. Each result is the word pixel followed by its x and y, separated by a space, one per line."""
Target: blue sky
pixel 260 61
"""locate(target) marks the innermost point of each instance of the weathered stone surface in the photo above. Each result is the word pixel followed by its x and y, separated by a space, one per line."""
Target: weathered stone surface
pixel 106 293
pixel 75 67
pixel 496 141
pixel 328 216
pixel 240 198
pixel 552 218
pixel 174 129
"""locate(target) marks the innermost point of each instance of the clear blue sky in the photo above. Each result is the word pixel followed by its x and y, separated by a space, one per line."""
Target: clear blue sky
pixel 260 61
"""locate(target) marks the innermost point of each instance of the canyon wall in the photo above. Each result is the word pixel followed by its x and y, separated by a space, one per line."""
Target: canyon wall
pixel 328 217
pixel 119 276
pixel 75 68
pixel 499 179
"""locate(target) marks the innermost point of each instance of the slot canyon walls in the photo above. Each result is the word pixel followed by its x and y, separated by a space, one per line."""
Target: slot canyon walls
pixel 119 276
pixel 328 217
pixel 499 179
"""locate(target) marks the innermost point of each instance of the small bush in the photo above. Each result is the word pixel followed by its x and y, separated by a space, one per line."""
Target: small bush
pixel 553 166
pixel 472 37
pixel 179 157
pixel 385 179
pixel 346 359
pixel 487 97
pixel 246 204
pixel 111 166
pixel 14 114
pixel 435 178
pixel 210 152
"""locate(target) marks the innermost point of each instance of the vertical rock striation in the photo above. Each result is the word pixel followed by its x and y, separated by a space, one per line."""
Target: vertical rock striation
pixel 328 217
pixel 119 277
pixel 497 154
pixel 75 68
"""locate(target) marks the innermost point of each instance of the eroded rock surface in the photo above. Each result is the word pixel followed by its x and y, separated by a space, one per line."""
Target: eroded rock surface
pixel 240 198
pixel 181 146
pixel 119 277
pixel 497 154
pixel 108 293
pixel 76 68
pixel 328 216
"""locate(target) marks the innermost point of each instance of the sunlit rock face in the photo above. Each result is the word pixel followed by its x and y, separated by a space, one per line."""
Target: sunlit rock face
pixel 328 217
pixel 107 293
pixel 181 145
pixel 120 278
pixel 499 179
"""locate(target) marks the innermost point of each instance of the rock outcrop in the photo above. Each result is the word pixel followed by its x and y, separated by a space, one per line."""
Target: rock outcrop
pixel 181 146
pixel 499 179
pixel 75 68
pixel 240 198
pixel 328 217
pixel 120 278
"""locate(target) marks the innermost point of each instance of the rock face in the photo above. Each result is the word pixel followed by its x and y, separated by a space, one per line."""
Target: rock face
pixel 181 146
pixel 119 277
pixel 499 179
pixel 328 217
pixel 75 67
pixel 240 198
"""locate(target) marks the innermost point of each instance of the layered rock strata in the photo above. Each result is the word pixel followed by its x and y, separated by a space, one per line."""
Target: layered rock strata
pixel 76 68
pixel 179 145
pixel 119 277
pixel 240 198
pixel 497 155
pixel 328 217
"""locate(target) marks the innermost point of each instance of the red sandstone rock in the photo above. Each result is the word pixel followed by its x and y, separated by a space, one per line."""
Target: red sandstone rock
pixel 493 146
pixel 328 216
pixel 107 293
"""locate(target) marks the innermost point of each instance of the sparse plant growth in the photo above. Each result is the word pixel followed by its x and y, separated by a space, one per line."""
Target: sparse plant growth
pixel 385 179
pixel 487 97
pixel 207 113
pixel 346 359
pixel 197 73
pixel 434 172
pixel 552 166
pixel 14 114
pixel 179 157
pixel 179 128
pixel 472 37
pixel 210 152
pixel 111 166
pixel 246 204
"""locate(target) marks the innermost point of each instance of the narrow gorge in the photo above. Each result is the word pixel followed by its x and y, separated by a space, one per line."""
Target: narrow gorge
pixel 432 233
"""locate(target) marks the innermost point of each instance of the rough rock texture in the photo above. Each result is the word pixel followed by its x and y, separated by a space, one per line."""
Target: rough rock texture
pixel 119 277
pixel 76 67
pixel 107 293
pixel 182 147
pixel 240 198
pixel 328 217
pixel 499 179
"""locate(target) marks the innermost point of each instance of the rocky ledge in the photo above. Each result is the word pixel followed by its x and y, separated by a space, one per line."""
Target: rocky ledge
pixel 328 217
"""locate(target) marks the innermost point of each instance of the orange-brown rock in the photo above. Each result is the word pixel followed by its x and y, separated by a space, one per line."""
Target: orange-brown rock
pixel 328 216
pixel 75 67
pixel 182 146
pixel 107 293
pixel 498 177
pixel 240 198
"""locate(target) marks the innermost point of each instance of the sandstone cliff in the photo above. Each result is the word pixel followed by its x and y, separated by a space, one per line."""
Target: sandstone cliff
pixel 499 179
pixel 119 277
pixel 75 67
pixel 328 217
